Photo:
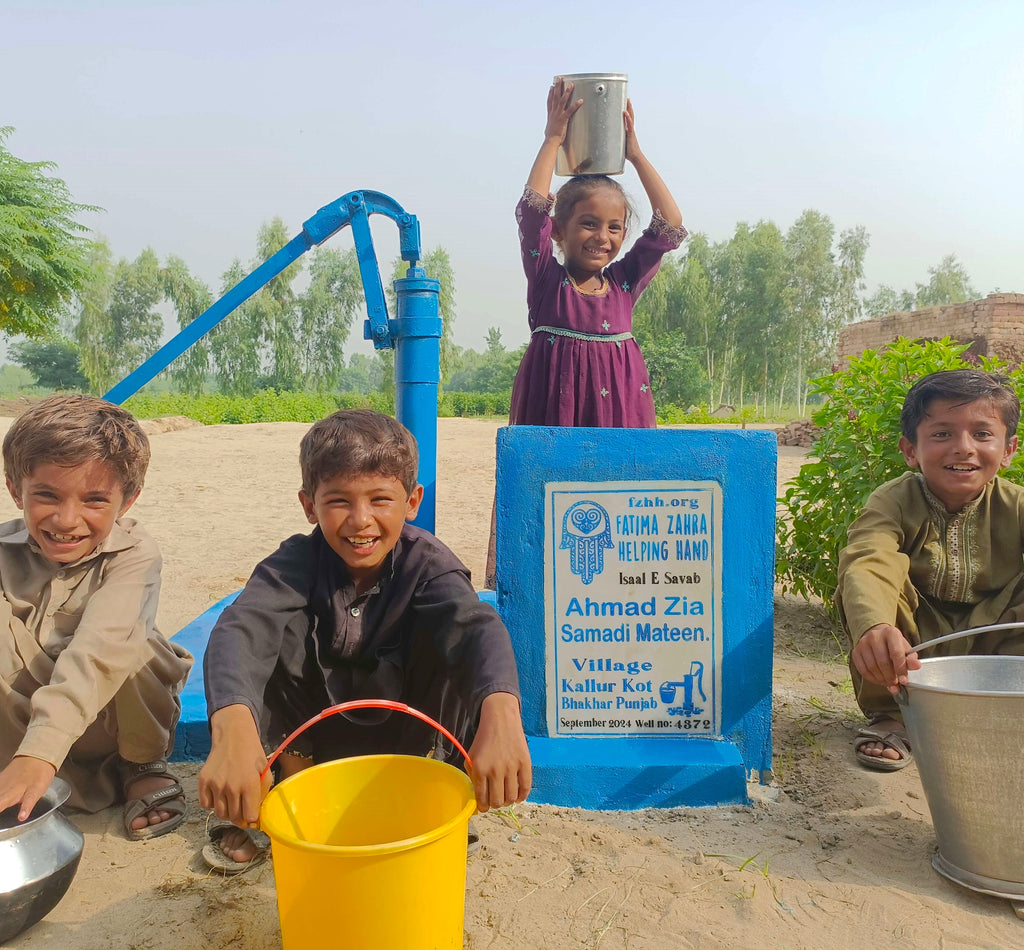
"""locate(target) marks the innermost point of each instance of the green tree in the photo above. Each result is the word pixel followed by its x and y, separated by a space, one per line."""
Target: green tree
pixel 235 343
pixel 134 325
pixel 494 345
pixel 676 370
pixel 44 255
pixel 326 312
pixel 888 300
pixel 699 300
pixel 813 286
pixel 948 283
pixel 97 362
pixel 683 301
pixel 190 297
pixel 53 362
pixel 438 265
pixel 852 249
pixel 119 326
pixel 258 344
pixel 756 298
pixel 362 375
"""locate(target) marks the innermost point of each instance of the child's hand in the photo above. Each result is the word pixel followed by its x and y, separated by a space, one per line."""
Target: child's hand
pixel 501 771
pixel 883 656
pixel 23 783
pixel 229 782
pixel 632 146
pixel 561 108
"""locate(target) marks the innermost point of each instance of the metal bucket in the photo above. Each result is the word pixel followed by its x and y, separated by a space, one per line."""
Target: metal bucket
pixel 595 143
pixel 965 719
pixel 38 859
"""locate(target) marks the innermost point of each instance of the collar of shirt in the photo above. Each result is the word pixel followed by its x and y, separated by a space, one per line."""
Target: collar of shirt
pixel 119 539
pixel 348 591
pixel 939 509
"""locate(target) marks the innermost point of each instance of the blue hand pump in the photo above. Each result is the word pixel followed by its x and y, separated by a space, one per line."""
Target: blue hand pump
pixel 414 333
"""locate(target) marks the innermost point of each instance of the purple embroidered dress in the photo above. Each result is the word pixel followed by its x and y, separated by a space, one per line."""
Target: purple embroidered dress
pixel 583 367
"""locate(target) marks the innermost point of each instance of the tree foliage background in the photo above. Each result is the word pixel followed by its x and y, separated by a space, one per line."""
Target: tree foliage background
pixel 746 321
pixel 44 251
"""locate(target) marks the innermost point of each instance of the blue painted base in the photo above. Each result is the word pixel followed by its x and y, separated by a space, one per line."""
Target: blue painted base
pixel 618 773
pixel 192 738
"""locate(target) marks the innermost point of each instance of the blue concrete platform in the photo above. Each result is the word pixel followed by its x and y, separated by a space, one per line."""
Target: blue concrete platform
pixel 631 773
pixel 612 561
pixel 192 739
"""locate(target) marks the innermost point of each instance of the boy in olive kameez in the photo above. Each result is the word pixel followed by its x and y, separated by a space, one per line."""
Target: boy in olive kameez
pixel 936 550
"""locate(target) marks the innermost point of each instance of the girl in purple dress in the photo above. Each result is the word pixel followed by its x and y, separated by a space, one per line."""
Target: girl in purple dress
pixel 583 367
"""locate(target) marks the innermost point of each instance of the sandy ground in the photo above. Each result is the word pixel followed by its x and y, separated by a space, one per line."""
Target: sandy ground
pixel 830 855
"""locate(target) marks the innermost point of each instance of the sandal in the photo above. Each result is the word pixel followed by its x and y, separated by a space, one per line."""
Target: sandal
pixel 895 739
pixel 217 860
pixel 171 798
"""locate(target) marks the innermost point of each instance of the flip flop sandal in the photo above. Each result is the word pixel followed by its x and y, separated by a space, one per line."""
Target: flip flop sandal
pixel 217 860
pixel 896 740
pixel 171 798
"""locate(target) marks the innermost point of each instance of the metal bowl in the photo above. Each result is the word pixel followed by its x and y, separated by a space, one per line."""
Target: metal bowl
pixel 38 859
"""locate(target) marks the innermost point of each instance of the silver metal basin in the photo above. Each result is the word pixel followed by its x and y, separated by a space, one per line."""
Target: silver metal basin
pixel 965 718
pixel 38 859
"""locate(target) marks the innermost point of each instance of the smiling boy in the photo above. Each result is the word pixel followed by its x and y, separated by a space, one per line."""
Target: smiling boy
pixel 88 686
pixel 936 550
pixel 366 606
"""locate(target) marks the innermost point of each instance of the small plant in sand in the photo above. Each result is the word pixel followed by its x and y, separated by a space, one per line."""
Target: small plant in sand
pixel 857 452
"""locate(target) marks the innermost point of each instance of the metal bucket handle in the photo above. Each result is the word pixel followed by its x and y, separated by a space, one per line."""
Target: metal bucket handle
pixel 367 704
pixel 903 697
pixel 967 633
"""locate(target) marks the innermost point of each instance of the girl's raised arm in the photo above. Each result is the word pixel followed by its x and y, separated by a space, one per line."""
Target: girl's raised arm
pixel 657 191
pixel 561 108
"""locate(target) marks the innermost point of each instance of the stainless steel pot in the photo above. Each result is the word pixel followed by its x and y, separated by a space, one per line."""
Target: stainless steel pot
pixel 38 859
pixel 595 143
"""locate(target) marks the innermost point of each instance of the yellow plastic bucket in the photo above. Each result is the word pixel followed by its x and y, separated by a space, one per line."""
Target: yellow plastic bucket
pixel 370 852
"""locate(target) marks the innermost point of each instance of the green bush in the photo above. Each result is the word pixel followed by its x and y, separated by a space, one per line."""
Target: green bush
pixel 857 452
pixel 271 405
pixel 474 404
pixel 701 416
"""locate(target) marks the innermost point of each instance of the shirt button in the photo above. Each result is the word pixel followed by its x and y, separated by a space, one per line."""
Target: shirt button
pixel 61 574
pixel 355 611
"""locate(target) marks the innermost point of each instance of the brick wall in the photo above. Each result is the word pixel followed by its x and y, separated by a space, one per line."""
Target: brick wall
pixel 993 326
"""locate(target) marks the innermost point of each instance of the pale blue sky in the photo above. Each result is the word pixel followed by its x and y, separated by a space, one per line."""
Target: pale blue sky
pixel 193 122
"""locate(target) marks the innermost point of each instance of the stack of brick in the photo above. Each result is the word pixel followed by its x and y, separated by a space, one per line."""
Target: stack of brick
pixel 994 326
pixel 801 432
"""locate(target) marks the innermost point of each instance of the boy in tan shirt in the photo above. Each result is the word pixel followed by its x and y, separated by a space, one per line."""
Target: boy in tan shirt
pixel 934 551
pixel 88 686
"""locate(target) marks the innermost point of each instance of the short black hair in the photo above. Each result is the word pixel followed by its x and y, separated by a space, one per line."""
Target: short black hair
pixel 358 442
pixel 962 386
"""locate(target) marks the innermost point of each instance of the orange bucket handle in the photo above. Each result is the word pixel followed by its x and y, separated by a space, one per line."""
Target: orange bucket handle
pixel 367 704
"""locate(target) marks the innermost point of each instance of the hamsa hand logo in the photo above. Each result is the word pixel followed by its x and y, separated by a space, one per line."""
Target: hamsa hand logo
pixel 586 532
